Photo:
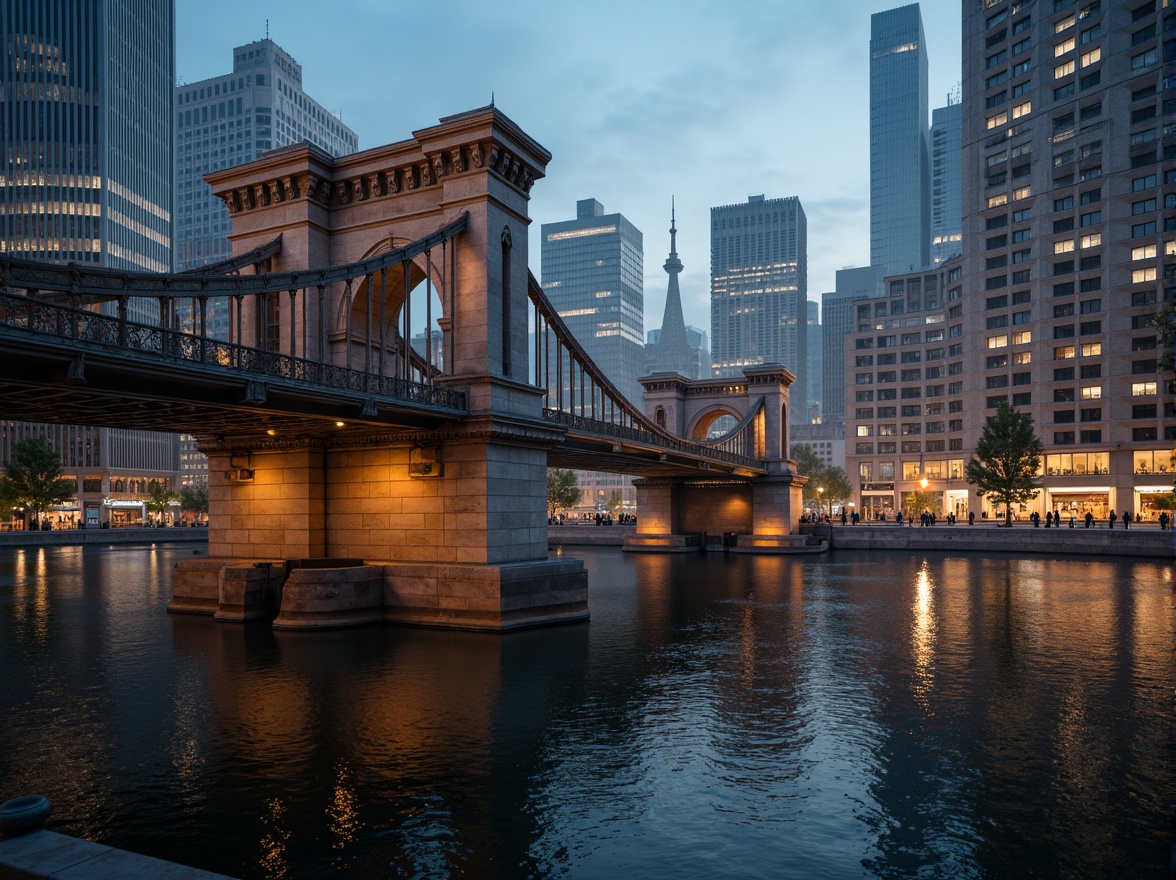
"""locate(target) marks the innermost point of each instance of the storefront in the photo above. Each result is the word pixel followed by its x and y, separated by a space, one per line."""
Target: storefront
pixel 1146 498
pixel 125 512
pixel 1077 501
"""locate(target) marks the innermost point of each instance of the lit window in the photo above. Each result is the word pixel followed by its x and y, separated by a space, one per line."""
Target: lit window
pixel 865 430
pixel 1064 247
pixel 1139 276
pixel 1064 352
pixel 1023 357
pixel 1092 240
pixel 1091 349
pixel 998 200
pixel 1143 389
pixel 1064 69
pixel 998 119
pixel 1063 47
pixel 1023 109
pixel 1091 57
pixel 1093 392
pixel 998 341
pixel 1147 252
pixel 1022 337
pixel 1170 248
pixel 1064 24
pixel 1022 193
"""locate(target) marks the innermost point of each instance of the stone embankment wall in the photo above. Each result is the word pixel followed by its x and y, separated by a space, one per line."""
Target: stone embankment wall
pixel 987 538
pixel 67 537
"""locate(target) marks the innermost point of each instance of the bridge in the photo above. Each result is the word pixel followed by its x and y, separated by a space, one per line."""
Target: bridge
pixel 393 388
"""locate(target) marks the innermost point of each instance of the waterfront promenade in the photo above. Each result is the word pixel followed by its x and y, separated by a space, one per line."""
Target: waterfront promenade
pixel 1139 541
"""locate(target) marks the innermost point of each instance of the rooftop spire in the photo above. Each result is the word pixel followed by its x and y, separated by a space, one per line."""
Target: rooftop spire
pixel 673 349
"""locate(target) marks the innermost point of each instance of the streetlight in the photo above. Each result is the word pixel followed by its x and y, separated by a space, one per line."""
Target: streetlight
pixel 820 497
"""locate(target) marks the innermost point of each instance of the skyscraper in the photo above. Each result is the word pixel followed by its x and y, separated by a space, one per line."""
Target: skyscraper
pixel 900 185
pixel 86 174
pixel 86 177
pixel 592 273
pixel 814 359
pixel 946 217
pixel 232 119
pixel 837 321
pixel 759 288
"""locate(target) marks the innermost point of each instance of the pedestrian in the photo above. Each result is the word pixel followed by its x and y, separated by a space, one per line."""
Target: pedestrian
pixel 1163 520
pixel 1126 519
pixel 844 517
pixel 1048 518
pixel 1111 520
pixel 971 517
pixel 1035 517
pixel 898 517
pixel 1089 519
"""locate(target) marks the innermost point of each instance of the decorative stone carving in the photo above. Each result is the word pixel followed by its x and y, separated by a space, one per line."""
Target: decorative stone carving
pixel 457 161
pixel 438 166
pixel 274 189
pixel 341 192
pixel 426 174
pixel 392 181
pixel 357 190
pixel 409 178
pixel 259 195
pixel 476 156
pixel 495 152
pixel 373 182
pixel 527 180
pixel 289 188
pixel 312 185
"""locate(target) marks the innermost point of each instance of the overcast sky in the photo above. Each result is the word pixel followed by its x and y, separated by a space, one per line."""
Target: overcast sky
pixel 637 101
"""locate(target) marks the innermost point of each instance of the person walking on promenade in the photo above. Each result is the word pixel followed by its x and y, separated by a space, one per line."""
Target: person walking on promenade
pixel 1126 519
pixel 1089 519
pixel 1111 520
pixel 971 518
pixel 1048 518
pixel 1164 520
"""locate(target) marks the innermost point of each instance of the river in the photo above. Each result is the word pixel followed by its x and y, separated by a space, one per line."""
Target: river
pixel 859 714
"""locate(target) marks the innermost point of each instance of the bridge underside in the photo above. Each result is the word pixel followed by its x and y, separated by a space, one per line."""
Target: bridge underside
pixel 42 383
pixel 585 453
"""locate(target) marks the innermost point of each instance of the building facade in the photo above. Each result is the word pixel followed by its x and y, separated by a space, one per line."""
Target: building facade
pixel 900 160
pixel 946 217
pixel 592 270
pixel 86 177
pixel 230 120
pixel 838 319
pixel 759 288
pixel 813 367
pixel 1070 239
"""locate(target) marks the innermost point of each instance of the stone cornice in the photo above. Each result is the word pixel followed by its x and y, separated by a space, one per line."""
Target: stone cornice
pixel 481 142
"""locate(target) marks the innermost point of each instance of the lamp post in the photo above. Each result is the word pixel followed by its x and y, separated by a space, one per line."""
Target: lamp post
pixel 820 500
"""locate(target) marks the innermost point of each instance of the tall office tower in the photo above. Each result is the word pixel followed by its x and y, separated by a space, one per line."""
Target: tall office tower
pixel 900 166
pixel 592 273
pixel 838 320
pixel 86 177
pixel 1070 239
pixel 946 218
pixel 759 287
pixel 814 360
pixel 672 354
pixel 231 119
pixel 697 340
pixel 86 174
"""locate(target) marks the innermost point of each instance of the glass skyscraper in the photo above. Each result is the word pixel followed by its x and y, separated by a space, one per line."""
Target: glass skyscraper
pixel 946 218
pixel 759 289
pixel 593 274
pixel 900 206
pixel 86 174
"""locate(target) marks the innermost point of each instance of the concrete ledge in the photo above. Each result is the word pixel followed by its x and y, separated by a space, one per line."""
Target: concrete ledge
pixel 46 854
pixel 663 543
pixel 589 535
pixel 780 544
pixel 318 598
pixel 196 583
pixel 249 592
pixel 494 598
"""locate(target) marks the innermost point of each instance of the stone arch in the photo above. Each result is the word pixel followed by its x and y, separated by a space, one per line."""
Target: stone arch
pixel 702 420
pixel 659 417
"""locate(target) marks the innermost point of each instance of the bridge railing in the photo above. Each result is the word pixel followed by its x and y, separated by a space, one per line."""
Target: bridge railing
pixel 104 332
pixel 580 396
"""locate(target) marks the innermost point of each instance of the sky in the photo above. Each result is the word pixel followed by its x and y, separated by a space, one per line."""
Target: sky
pixel 704 101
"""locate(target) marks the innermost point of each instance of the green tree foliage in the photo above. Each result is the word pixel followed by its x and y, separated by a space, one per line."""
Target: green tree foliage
pixel 194 498
pixel 563 490
pixel 33 477
pixel 1008 455
pixel 614 503
pixel 161 497
pixel 831 479
pixel 917 502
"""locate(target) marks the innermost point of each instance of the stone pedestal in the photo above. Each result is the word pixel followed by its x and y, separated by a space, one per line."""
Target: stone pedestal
pixel 320 598
pixel 249 591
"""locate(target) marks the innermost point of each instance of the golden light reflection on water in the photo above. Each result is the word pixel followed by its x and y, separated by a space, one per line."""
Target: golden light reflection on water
pixel 273 841
pixel 343 811
pixel 923 635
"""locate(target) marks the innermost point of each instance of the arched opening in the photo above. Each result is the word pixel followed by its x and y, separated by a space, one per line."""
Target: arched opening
pixel 378 312
pixel 660 417
pixel 713 423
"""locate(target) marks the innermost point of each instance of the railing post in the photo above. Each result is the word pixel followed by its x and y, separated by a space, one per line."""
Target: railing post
pixel 122 322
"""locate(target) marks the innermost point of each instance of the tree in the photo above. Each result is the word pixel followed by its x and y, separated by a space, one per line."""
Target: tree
pixel 808 465
pixel 1008 456
pixel 614 503
pixel 836 484
pixel 161 497
pixel 563 490
pixel 194 498
pixel 33 476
